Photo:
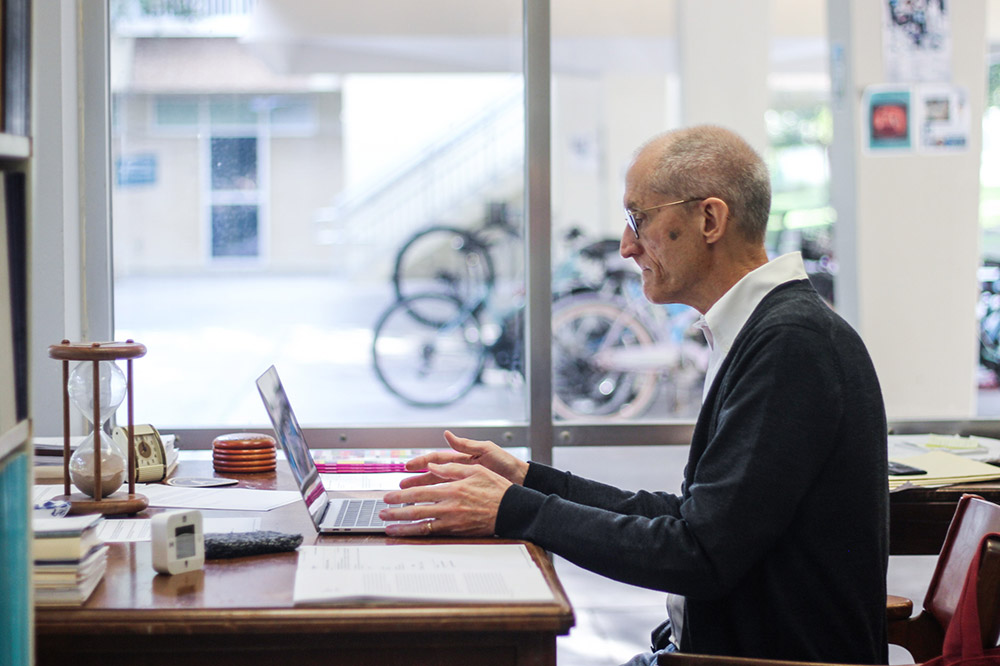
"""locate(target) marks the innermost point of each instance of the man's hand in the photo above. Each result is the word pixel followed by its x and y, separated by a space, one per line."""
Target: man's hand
pixel 463 499
pixel 467 452
pixel 459 494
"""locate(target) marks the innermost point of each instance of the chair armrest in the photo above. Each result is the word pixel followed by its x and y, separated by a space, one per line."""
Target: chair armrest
pixel 897 608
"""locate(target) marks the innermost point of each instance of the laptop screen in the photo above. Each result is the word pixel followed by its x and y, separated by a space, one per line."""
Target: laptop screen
pixel 289 434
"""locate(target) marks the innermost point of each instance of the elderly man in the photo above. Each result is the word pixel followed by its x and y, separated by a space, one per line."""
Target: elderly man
pixel 777 544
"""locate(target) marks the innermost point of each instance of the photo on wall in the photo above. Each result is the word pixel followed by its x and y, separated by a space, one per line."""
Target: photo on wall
pixel 888 122
pixel 919 118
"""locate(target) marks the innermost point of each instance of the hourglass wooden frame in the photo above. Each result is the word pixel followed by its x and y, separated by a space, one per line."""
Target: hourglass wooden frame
pixel 96 352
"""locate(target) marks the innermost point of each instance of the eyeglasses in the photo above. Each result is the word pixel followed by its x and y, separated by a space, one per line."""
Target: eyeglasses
pixel 630 214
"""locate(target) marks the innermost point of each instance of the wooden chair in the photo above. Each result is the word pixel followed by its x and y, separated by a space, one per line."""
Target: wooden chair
pixel 923 635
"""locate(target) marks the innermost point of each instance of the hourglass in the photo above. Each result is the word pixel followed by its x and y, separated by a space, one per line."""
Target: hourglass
pixel 97 387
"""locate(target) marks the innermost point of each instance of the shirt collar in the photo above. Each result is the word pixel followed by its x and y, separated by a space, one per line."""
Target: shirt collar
pixel 725 319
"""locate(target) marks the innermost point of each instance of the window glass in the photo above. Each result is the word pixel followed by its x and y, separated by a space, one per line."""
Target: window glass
pixel 988 307
pixel 800 129
pixel 176 111
pixel 233 110
pixel 615 356
pixel 234 163
pixel 362 193
pixel 291 114
pixel 348 208
pixel 234 231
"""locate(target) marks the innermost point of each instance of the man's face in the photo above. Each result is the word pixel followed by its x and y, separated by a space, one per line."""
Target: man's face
pixel 669 249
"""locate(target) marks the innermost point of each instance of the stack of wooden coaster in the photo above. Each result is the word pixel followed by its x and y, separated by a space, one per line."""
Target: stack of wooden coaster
pixel 243 453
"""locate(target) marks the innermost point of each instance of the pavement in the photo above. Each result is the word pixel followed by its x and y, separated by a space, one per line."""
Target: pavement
pixel 210 337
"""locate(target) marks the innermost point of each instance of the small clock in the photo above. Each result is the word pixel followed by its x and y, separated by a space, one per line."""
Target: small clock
pixel 150 455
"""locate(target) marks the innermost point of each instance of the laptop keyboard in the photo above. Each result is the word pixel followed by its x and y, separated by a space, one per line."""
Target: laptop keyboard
pixel 360 513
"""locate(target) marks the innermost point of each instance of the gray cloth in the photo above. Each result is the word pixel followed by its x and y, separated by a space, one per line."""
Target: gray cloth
pixel 779 537
pixel 243 544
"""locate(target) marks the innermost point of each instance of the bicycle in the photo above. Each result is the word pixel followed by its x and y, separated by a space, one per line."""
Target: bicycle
pixel 458 262
pixel 430 350
pixel 614 353
pixel 611 352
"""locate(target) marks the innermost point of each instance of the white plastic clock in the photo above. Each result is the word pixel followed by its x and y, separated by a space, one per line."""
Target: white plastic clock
pixel 178 542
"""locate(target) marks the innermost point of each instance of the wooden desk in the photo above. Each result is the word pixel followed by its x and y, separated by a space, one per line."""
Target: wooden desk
pixel 240 612
pixel 919 517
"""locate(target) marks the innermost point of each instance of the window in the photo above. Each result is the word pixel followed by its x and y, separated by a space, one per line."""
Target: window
pixel 234 231
pixel 337 196
pixel 234 182
pixel 287 220
pixel 375 185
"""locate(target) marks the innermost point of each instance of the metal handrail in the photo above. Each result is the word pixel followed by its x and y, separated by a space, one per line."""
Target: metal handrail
pixel 460 168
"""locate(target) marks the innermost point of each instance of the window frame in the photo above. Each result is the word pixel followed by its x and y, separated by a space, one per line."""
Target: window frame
pixel 86 26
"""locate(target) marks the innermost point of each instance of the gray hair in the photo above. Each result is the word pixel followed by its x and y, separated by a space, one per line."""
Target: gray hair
pixel 710 161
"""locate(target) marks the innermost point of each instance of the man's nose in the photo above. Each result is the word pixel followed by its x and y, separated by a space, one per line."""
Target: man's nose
pixel 629 246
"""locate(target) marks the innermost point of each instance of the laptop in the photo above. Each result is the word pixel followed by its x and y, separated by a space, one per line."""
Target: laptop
pixel 329 514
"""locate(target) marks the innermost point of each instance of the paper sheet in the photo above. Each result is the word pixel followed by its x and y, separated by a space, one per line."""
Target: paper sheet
pixel 460 573
pixel 983 449
pixel 943 469
pixel 117 531
pixel 231 499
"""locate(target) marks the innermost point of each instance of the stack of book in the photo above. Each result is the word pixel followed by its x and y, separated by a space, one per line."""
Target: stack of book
pixel 69 559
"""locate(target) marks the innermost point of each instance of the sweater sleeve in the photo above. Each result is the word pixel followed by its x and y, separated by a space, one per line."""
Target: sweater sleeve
pixel 599 495
pixel 768 434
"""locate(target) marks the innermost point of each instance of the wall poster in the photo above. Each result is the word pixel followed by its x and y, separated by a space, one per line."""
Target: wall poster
pixel 926 118
pixel 916 40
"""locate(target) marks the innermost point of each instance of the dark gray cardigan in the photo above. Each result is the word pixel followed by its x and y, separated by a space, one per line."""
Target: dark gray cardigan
pixel 779 538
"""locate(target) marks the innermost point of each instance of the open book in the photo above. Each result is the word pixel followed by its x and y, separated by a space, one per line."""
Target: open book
pixel 446 573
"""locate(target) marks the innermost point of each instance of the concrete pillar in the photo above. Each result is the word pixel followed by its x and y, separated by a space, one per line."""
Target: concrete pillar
pixel 907 225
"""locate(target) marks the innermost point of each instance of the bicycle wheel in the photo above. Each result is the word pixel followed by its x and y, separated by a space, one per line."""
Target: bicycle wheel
pixel 444 260
pixel 428 365
pixel 587 332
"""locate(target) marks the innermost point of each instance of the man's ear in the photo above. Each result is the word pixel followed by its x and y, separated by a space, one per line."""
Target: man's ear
pixel 714 219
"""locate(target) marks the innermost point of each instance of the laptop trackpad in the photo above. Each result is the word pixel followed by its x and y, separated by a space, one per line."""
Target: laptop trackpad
pixel 354 513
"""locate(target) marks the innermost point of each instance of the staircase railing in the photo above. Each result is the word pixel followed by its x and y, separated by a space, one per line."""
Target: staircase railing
pixel 450 183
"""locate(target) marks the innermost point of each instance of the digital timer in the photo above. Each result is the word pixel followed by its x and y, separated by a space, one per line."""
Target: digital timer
pixel 178 542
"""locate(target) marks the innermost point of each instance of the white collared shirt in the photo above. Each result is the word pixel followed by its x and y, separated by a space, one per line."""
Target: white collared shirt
pixel 726 318
pixel 721 324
